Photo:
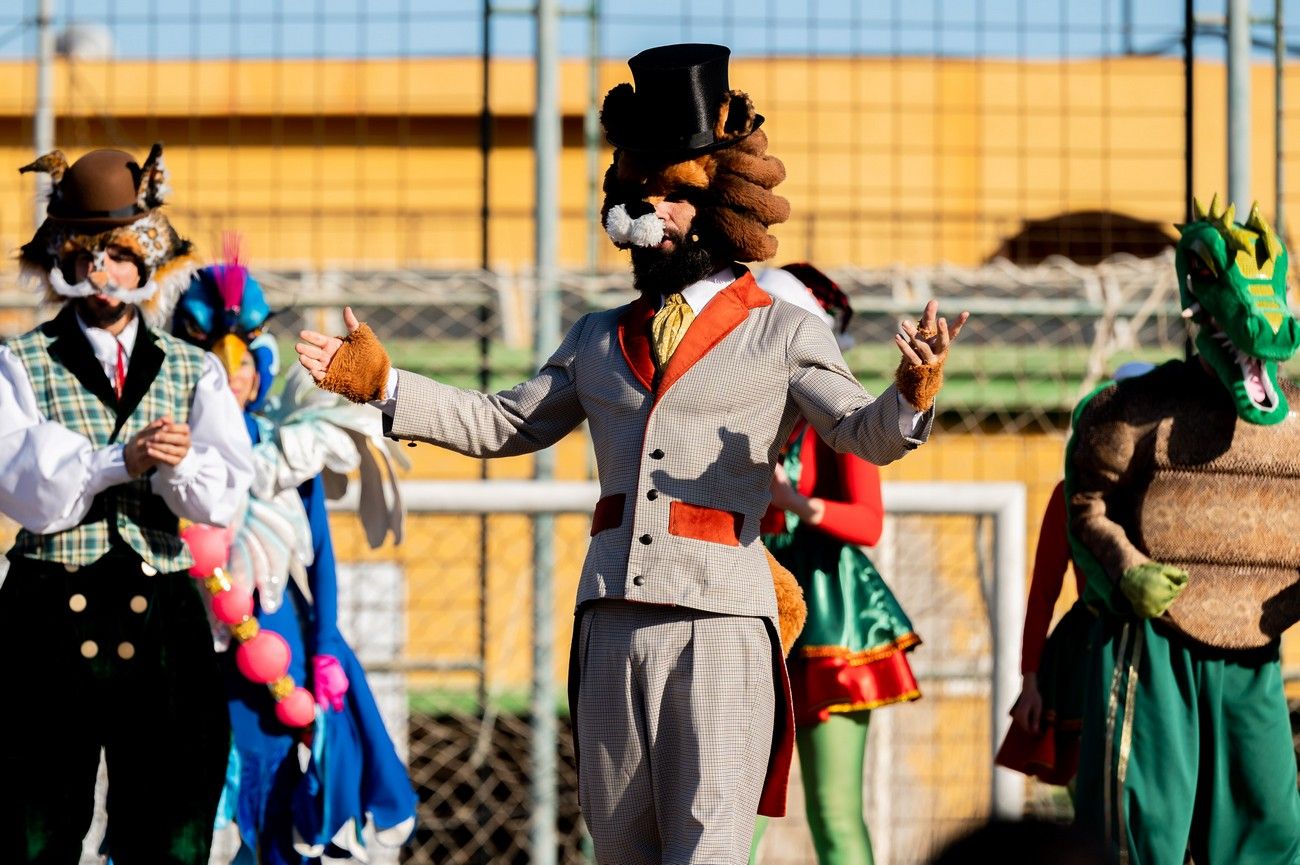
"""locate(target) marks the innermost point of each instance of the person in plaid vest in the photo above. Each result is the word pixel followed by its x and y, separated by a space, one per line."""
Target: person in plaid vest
pixel 680 699
pixel 111 431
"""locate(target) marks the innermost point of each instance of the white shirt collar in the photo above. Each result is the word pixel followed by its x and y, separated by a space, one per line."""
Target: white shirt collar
pixel 698 294
pixel 104 344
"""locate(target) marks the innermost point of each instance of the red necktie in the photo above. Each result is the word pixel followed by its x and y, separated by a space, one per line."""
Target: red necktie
pixel 119 379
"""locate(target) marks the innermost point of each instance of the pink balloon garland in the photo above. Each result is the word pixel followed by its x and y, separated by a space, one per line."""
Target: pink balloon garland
pixel 262 656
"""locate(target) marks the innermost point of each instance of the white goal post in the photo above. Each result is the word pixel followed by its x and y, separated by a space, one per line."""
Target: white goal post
pixel 1003 503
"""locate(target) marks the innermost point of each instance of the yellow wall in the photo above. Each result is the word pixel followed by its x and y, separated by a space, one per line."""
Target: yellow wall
pixel 376 163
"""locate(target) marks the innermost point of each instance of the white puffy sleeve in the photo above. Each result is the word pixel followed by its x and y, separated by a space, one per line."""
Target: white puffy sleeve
pixel 209 484
pixel 312 432
pixel 51 474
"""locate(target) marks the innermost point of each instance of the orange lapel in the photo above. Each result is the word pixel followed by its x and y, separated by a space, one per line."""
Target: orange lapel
pixel 719 317
pixel 634 340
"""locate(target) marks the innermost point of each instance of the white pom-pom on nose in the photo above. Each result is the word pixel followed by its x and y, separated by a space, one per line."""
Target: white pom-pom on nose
pixel 618 224
pixel 646 230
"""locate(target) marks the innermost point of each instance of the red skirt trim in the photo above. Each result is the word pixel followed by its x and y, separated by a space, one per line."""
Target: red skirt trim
pixel 828 683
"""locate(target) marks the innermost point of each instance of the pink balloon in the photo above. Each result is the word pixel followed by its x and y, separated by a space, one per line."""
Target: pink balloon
pixel 264 658
pixel 296 710
pixel 233 605
pixel 210 547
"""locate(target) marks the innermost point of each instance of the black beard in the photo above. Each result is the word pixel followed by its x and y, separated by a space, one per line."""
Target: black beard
pixel 98 315
pixel 656 272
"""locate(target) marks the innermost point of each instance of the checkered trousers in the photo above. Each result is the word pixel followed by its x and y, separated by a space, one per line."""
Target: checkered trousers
pixel 139 517
pixel 674 726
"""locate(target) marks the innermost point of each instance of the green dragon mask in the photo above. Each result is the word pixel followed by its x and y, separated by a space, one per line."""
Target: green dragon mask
pixel 1232 283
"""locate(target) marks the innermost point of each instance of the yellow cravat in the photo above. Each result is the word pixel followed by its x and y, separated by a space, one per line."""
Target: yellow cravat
pixel 669 326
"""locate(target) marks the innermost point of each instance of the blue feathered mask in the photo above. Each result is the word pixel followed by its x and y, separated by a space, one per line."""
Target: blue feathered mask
pixel 225 311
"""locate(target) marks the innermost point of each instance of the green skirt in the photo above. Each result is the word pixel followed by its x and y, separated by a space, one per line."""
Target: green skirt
pixel 852 654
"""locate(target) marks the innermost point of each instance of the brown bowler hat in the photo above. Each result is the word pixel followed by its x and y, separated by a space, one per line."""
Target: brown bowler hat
pixel 99 191
pixel 108 199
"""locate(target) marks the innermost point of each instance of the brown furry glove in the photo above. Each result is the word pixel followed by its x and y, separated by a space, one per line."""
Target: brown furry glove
pixel 791 611
pixel 920 384
pixel 359 370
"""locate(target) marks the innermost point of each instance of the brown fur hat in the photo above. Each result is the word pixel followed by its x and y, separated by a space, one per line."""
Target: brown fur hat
pixel 106 199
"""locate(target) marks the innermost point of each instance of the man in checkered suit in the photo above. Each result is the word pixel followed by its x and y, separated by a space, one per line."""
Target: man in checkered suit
pixel 677 685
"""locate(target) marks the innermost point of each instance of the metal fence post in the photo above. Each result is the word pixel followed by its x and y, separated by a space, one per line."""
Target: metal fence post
pixel 43 119
pixel 1008 615
pixel 1239 137
pixel 546 140
pixel 1279 118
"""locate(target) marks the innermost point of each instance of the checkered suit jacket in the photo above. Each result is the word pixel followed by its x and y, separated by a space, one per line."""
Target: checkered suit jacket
pixel 685 458
pixel 685 455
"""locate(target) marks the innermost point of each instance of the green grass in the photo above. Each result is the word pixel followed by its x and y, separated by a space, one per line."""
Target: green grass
pixel 447 701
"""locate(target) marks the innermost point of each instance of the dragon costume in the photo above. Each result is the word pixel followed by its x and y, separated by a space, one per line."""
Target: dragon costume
pixel 1184 494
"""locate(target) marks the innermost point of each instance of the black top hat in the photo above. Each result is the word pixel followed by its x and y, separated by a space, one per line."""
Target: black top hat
pixel 674 109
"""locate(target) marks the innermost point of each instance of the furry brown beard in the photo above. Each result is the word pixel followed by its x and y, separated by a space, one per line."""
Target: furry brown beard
pixel 657 272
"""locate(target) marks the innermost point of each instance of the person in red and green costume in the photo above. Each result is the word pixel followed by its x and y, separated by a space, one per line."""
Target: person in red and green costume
pixel 1184 496
pixel 851 656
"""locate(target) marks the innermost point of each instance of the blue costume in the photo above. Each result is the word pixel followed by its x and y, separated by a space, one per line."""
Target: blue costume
pixel 296 796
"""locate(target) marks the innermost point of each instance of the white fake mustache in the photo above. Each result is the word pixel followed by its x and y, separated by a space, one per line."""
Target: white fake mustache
pixel 86 288
pixel 646 230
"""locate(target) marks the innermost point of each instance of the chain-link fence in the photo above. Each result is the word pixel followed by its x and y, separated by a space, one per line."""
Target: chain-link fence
pixel 1020 159
pixel 447 634
pixel 928 770
pixel 466 716
pixel 1041 335
pixel 930 761
pixel 396 134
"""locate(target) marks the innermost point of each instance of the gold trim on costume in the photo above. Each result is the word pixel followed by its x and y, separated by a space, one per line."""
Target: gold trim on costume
pixel 1112 706
pixel 1126 742
pixel 245 630
pixel 217 583
pixel 868 705
pixel 282 687
pixel 855 659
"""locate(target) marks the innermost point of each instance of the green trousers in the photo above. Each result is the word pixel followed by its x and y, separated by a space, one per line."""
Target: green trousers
pixel 831 756
pixel 1186 748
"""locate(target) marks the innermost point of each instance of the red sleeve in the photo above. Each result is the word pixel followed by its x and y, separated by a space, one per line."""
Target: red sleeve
pixel 1050 561
pixel 773 521
pixel 856 515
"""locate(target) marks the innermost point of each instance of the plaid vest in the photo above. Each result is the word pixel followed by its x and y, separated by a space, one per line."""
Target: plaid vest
pixel 72 390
